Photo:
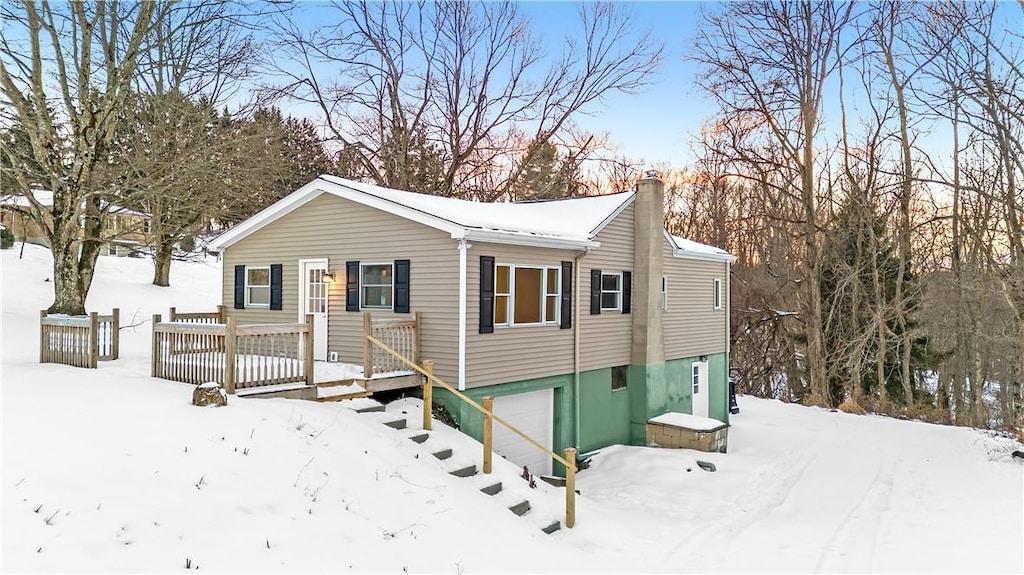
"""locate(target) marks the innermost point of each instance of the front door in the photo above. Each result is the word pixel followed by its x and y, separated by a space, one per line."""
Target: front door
pixel 313 300
pixel 699 380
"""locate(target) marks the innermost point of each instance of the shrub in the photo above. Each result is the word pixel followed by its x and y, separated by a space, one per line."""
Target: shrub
pixel 6 239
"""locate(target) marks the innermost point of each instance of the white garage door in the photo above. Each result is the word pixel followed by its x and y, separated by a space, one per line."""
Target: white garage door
pixel 533 414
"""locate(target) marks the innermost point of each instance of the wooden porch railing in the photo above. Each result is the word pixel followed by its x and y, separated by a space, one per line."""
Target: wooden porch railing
pixel 79 341
pixel 197 317
pixel 400 335
pixel 235 356
pixel 569 461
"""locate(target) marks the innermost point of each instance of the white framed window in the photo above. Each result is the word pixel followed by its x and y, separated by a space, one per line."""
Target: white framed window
pixel 696 379
pixel 257 286
pixel 611 292
pixel 664 293
pixel 526 295
pixel 718 293
pixel 376 286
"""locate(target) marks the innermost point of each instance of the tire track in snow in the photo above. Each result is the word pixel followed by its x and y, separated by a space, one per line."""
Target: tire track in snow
pixel 771 491
pixel 852 544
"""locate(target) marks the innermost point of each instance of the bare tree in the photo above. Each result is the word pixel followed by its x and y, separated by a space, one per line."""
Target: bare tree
pixel 771 61
pixel 463 83
pixel 65 74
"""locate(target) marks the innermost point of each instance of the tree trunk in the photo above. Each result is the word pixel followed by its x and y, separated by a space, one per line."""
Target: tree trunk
pixel 162 263
pixel 68 297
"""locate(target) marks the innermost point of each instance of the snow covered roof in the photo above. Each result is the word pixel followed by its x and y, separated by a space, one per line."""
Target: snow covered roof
pixel 569 223
pixel 45 199
pixel 684 248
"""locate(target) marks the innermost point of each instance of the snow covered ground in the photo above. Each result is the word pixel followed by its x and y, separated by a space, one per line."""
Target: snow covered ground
pixel 109 470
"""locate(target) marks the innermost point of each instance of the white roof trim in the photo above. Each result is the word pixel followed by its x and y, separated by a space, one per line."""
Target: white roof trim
pixel 290 202
pixel 622 207
pixel 534 240
pixel 710 254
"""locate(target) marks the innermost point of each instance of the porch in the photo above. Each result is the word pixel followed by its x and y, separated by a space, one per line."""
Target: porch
pixel 276 360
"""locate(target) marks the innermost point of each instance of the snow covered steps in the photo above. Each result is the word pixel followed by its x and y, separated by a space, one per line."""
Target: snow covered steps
pixel 487 485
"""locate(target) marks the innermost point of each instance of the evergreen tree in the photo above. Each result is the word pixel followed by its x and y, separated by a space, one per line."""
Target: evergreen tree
pixel 857 251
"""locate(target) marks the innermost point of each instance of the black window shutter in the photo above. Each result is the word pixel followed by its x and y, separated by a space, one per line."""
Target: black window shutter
pixel 276 271
pixel 627 291
pixel 566 320
pixel 486 294
pixel 239 287
pixel 401 286
pixel 351 286
pixel 595 292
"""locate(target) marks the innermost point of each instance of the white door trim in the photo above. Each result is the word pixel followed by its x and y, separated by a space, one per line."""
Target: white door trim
pixel 320 342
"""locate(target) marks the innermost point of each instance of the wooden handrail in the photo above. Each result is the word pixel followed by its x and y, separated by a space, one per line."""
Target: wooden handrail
pixel 472 403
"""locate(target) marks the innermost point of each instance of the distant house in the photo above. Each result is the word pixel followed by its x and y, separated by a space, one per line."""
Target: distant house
pixel 583 317
pixel 125 232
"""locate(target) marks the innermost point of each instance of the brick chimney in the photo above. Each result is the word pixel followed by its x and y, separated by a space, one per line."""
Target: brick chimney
pixel 648 245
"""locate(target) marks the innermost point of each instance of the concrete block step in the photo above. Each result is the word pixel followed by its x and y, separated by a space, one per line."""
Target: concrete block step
pixel 396 423
pixel 419 437
pixel 370 408
pixel 493 489
pixel 520 508
pixel 467 471
pixel 554 526
pixel 443 454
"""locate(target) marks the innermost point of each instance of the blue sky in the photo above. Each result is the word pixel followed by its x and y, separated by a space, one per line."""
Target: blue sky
pixel 654 125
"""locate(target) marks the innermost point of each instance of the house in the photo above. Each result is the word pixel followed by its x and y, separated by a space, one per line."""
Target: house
pixel 582 317
pixel 125 231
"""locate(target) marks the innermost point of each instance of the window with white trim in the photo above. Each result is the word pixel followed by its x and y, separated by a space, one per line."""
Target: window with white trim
pixel 257 286
pixel 696 379
pixel 377 286
pixel 664 293
pixel 718 293
pixel 526 295
pixel 611 292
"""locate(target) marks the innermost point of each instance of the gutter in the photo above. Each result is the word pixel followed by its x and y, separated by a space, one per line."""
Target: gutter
pixel 463 276
pixel 576 348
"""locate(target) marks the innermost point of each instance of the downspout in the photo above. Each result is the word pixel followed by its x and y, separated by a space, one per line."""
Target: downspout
pixel 463 249
pixel 576 348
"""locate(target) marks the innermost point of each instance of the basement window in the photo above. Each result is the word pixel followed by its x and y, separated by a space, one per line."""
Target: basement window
pixel 620 377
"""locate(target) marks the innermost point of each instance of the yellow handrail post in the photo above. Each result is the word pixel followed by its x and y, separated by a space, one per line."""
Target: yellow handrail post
pixel 570 488
pixel 428 393
pixel 488 428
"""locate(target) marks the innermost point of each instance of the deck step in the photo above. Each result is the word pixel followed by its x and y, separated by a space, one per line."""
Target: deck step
pixel 419 437
pixel 335 382
pixel 467 471
pixel 443 454
pixel 341 396
pixel 370 408
pixel 493 489
pixel 396 423
pixel 555 526
pixel 520 508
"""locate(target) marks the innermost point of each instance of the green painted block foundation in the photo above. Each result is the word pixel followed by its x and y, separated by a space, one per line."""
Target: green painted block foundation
pixel 607 416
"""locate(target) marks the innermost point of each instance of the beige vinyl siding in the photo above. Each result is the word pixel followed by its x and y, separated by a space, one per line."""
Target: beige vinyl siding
pixel 605 338
pixel 692 324
pixel 341 230
pixel 513 353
